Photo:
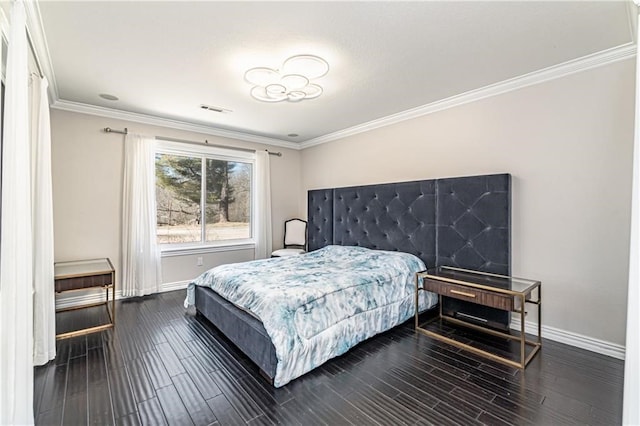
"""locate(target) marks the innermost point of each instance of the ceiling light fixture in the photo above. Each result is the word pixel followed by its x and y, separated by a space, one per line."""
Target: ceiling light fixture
pixel 293 82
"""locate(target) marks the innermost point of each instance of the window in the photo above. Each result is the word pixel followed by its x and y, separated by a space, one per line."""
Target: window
pixel 203 196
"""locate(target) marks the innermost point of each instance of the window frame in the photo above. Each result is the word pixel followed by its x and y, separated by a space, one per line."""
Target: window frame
pixel 216 153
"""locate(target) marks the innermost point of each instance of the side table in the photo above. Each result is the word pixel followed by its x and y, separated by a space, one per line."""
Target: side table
pixel 85 275
pixel 497 291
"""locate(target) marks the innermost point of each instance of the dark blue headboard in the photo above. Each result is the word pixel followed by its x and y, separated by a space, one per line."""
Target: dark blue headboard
pixel 462 222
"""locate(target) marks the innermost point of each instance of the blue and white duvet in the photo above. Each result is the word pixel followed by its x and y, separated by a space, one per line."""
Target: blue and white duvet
pixel 318 305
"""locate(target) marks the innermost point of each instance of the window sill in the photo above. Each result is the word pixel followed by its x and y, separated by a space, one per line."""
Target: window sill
pixel 187 251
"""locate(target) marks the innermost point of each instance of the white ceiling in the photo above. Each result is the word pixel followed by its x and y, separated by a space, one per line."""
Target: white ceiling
pixel 165 59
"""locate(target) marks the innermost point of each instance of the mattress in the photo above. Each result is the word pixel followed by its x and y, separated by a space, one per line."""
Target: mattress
pixel 318 305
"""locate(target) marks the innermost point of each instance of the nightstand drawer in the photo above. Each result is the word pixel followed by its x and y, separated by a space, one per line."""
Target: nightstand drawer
pixel 76 283
pixel 475 295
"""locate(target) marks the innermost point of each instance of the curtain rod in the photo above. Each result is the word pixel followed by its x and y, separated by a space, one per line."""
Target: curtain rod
pixel 206 142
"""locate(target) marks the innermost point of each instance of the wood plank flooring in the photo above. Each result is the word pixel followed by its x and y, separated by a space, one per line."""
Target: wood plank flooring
pixel 161 365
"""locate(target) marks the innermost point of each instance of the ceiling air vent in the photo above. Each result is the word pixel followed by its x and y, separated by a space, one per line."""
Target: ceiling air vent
pixel 215 109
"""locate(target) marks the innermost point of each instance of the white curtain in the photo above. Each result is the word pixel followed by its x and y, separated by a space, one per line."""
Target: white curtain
pixel 44 315
pixel 263 206
pixel 140 252
pixel 16 265
pixel 631 408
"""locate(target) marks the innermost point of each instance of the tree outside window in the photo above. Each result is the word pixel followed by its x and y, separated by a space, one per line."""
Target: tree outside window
pixel 202 199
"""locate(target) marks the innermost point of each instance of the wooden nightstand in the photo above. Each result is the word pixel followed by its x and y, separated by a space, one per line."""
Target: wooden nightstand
pixel 497 291
pixel 86 275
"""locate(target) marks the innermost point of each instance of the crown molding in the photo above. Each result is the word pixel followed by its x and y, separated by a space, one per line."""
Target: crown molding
pixel 609 56
pixel 63 105
pixel 4 34
pixel 39 42
pixel 4 24
pixel 605 57
pixel 632 15
pixel 36 34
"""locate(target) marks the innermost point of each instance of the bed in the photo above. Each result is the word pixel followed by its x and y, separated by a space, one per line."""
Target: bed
pixel 462 222
pixel 318 305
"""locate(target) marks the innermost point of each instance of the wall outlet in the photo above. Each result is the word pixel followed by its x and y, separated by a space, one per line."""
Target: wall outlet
pixel 199 261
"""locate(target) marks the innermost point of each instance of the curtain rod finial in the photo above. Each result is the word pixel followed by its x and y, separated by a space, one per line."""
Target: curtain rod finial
pixel 110 130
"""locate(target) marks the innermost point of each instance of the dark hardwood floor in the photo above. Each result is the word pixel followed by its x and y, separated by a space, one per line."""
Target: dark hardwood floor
pixel 160 365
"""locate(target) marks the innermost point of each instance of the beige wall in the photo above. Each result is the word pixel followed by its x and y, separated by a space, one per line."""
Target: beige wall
pixel 567 144
pixel 87 186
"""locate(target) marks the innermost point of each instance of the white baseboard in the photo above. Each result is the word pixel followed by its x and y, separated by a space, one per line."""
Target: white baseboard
pixel 572 339
pixel 99 295
pixel 178 285
pixel 551 333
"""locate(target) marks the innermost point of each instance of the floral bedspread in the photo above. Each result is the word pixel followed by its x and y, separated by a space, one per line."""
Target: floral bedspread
pixel 318 305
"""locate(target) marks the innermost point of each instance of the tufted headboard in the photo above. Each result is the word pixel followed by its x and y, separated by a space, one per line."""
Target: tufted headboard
pixel 396 216
pixel 463 222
